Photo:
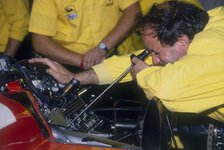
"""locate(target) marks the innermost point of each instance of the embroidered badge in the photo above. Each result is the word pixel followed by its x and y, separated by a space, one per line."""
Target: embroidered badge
pixel 71 12
pixel 109 2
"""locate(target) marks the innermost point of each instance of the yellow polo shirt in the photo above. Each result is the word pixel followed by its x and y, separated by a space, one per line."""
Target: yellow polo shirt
pixel 14 20
pixel 147 4
pixel 78 25
pixel 193 84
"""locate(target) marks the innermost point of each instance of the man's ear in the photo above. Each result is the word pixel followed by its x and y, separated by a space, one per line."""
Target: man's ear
pixel 184 41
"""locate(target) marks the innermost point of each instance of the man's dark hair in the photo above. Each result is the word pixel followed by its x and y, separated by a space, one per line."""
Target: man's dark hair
pixel 172 19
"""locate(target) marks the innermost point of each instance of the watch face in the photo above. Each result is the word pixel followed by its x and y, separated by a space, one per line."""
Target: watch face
pixel 102 46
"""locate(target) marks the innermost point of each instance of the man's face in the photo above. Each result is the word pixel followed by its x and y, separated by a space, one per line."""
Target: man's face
pixel 162 55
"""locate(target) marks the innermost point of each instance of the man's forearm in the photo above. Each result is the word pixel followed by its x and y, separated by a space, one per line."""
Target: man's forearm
pixel 124 27
pixel 12 47
pixel 87 77
pixel 48 48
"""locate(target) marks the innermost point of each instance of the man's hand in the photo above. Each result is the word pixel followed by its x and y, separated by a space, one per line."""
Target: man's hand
pixel 93 57
pixel 60 73
pixel 139 65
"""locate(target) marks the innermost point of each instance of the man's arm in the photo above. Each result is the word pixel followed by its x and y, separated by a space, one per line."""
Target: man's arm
pixel 12 47
pixel 123 28
pixel 115 66
pixel 87 77
pixel 62 75
pixel 46 46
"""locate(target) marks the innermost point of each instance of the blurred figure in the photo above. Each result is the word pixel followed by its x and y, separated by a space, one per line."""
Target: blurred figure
pixel 14 20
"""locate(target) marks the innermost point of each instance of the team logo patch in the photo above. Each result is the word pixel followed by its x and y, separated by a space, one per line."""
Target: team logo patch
pixel 71 12
pixel 109 2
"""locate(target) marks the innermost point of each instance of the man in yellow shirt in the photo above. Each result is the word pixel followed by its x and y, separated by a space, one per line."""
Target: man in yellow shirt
pixel 14 21
pixel 185 70
pixel 81 33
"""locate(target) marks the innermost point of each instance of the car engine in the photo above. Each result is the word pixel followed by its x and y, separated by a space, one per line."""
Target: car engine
pixel 69 110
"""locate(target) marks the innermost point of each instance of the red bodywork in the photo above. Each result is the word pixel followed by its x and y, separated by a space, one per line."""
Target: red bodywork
pixel 25 133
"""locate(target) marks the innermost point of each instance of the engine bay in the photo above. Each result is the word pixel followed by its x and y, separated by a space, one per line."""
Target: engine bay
pixel 75 113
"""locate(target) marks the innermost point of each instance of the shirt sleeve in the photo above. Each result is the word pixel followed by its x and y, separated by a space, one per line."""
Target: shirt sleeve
pixel 126 3
pixel 17 15
pixel 193 84
pixel 162 82
pixel 113 67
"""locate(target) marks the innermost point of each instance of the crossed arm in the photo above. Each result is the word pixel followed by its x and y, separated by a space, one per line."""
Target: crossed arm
pixel 50 49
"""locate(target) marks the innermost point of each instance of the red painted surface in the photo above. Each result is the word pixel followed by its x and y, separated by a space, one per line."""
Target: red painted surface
pixel 25 133
pixel 14 86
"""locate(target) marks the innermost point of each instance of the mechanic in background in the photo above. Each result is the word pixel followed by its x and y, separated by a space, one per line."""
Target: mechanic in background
pixel 14 21
pixel 82 33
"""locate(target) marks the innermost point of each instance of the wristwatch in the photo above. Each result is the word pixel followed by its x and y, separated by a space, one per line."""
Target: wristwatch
pixel 103 47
